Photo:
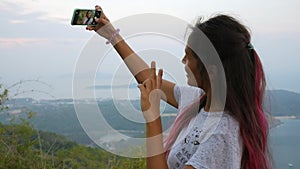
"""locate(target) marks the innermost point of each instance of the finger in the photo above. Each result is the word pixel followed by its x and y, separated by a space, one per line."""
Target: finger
pixel 159 79
pixel 142 88
pixel 153 83
pixel 97 7
pixel 97 20
pixel 104 21
pixel 153 72
pixel 90 28
pixel 148 84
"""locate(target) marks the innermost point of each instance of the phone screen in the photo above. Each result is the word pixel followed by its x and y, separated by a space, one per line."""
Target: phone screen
pixel 85 17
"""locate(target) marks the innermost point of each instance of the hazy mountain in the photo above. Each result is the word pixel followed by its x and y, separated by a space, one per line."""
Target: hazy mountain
pixel 282 103
pixel 59 116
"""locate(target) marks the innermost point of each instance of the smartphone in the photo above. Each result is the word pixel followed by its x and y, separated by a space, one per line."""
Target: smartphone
pixel 85 17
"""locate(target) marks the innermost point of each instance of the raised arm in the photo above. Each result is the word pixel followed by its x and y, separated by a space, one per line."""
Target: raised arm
pixel 135 64
pixel 141 70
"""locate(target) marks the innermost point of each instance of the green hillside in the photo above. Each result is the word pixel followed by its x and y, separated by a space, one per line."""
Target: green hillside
pixel 22 147
pixel 59 116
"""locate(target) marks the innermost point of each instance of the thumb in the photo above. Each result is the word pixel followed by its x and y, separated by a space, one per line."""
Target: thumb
pixel 104 21
pixel 142 88
pixel 101 20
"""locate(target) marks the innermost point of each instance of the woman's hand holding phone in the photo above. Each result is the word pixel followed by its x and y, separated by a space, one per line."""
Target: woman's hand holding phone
pixel 104 28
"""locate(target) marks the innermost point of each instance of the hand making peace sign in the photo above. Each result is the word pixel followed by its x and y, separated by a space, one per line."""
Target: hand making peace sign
pixel 151 94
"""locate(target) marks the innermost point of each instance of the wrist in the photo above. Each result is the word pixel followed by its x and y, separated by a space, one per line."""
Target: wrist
pixel 155 122
pixel 113 36
pixel 116 39
pixel 154 128
pixel 151 115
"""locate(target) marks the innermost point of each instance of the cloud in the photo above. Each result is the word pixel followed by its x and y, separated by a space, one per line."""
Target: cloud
pixel 8 43
pixel 13 42
pixel 16 21
pixel 41 30
pixel 49 10
pixel 61 11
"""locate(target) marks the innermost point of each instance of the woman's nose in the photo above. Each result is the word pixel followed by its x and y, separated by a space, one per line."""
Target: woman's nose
pixel 183 60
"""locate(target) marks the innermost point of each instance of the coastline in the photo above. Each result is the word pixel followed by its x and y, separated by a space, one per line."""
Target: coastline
pixel 278 120
pixel 285 117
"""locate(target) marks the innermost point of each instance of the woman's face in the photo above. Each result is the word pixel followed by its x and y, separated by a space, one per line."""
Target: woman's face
pixel 192 68
pixel 89 14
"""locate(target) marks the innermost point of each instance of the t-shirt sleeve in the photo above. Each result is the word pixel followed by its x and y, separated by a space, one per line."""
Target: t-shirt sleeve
pixel 216 152
pixel 185 95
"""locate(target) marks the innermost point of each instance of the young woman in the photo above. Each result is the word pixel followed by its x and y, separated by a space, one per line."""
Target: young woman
pixel 239 138
pixel 87 20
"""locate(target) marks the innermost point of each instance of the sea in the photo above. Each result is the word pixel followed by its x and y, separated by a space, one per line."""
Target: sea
pixel 285 144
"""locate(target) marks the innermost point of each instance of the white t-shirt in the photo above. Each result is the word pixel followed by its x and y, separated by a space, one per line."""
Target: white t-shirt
pixel 210 141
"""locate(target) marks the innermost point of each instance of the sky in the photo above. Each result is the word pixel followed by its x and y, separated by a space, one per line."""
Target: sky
pixel 38 43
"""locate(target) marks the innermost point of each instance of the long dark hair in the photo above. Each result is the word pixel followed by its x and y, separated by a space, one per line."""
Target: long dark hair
pixel 245 81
